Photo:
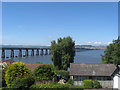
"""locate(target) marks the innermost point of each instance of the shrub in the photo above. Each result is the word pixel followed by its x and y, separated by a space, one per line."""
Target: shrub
pixel 88 84
pixel 77 87
pixel 40 86
pixel 3 77
pixel 56 86
pixel 23 83
pixel 62 72
pixel 15 71
pixel 70 81
pixel 96 84
pixel 44 72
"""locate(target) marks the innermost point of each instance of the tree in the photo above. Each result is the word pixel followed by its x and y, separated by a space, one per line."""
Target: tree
pixel 15 71
pixel 112 53
pixel 44 72
pixel 63 52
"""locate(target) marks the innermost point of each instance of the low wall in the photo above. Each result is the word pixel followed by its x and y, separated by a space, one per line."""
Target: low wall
pixel 104 84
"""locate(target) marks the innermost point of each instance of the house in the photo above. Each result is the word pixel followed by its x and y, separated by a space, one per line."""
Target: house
pixel 104 73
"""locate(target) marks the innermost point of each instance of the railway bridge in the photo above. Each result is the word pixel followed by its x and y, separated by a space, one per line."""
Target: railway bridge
pixel 34 51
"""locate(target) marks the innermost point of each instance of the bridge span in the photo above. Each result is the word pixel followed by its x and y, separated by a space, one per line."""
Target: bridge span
pixel 34 51
pixel 39 51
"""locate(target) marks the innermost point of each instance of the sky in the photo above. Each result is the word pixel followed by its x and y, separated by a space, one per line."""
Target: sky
pixel 30 23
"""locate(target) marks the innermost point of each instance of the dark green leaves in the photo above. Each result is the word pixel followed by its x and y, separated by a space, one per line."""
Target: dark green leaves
pixel 63 52
pixel 112 53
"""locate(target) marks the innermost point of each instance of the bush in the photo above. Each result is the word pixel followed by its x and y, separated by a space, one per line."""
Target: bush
pixel 44 72
pixel 91 84
pixel 23 83
pixel 96 84
pixel 70 81
pixel 15 71
pixel 88 84
pixel 41 86
pixel 56 86
pixel 77 87
pixel 63 73
pixel 3 77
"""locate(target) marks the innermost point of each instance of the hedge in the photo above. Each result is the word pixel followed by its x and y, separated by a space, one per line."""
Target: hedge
pixel 96 84
pixel 55 86
pixel 91 84
pixel 23 83
pixel 88 84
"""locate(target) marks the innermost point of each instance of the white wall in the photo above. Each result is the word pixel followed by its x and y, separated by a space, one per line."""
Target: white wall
pixel 116 83
pixel 119 82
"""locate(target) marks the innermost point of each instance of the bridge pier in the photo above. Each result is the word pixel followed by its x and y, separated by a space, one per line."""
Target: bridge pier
pixel 49 51
pixel 20 53
pixel 41 53
pixel 32 52
pixel 12 53
pixel 26 53
pixel 46 51
pixel 3 53
pixel 37 52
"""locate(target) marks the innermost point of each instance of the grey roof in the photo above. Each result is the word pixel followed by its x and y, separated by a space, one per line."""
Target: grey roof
pixel 92 69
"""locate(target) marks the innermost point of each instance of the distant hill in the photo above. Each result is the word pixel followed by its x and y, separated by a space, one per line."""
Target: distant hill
pixel 37 46
pixel 90 47
pixel 23 46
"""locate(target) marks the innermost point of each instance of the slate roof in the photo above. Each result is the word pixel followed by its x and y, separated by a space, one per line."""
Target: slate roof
pixel 92 69
pixel 32 66
pixel 8 62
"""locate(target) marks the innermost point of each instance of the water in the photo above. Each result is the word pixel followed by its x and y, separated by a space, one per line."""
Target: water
pixel 88 56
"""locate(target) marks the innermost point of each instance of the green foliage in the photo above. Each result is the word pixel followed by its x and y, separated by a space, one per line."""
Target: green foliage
pixel 44 72
pixel 63 73
pixel 76 87
pixel 91 84
pixel 23 83
pixel 96 84
pixel 70 81
pixel 15 71
pixel 112 53
pixel 56 86
pixel 50 86
pixel 88 84
pixel 63 52
pixel 3 77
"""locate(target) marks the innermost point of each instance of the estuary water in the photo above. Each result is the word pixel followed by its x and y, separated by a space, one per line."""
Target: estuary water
pixel 87 56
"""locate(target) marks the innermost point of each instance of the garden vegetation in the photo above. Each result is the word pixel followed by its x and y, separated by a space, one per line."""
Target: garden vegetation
pixel 63 52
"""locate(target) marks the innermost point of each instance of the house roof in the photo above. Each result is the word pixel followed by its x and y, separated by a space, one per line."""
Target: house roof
pixel 92 69
pixel 8 62
pixel 32 66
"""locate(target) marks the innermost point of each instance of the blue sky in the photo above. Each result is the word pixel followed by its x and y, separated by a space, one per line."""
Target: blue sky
pixel 40 23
